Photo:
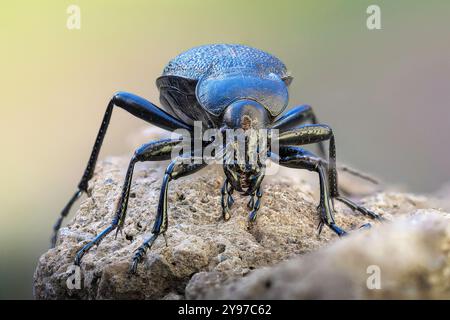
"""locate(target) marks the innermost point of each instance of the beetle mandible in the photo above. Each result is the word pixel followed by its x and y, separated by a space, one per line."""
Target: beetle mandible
pixel 224 86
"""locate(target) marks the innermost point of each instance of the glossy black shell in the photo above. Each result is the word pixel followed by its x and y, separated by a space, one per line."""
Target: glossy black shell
pixel 200 83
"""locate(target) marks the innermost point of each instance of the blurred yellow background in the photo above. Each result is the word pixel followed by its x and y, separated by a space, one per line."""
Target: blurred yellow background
pixel 385 92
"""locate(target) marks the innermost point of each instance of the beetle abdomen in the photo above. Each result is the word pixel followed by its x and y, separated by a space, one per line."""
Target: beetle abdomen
pixel 194 63
pixel 200 83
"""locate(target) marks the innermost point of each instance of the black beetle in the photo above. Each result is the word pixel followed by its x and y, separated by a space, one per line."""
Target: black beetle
pixel 223 86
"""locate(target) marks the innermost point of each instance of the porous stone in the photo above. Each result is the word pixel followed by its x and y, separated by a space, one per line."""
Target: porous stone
pixel 280 255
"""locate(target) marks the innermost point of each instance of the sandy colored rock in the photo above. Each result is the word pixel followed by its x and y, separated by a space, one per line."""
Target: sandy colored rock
pixel 410 255
pixel 208 257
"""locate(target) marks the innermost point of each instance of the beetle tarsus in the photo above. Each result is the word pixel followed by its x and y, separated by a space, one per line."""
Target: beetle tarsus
pixel 355 207
pixel 339 231
pixel 140 252
pixel 64 214
pixel 225 200
pixel 95 241
pixel 256 204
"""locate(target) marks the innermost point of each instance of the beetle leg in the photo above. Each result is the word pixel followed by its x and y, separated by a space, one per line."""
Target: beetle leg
pixel 153 151
pixel 314 133
pixel 61 217
pixel 303 160
pixel 138 107
pixel 225 200
pixel 256 205
pixel 251 202
pixel 175 170
pixel 295 117
pixel 356 207
pixel 230 200
pixel 224 204
pixel 288 152
pixel 333 182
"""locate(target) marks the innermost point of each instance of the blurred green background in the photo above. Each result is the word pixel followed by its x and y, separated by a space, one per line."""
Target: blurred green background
pixel 386 92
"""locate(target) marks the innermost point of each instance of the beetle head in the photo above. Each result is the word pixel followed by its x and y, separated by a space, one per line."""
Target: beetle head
pixel 246 114
pixel 244 165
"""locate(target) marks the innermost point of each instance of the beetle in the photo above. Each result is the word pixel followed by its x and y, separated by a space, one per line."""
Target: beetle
pixel 222 86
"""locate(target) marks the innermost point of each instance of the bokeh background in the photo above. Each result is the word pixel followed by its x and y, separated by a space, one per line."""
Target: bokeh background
pixel 386 92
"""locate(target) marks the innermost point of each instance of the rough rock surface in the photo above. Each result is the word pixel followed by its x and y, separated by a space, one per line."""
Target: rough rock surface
pixel 207 257
pixel 410 255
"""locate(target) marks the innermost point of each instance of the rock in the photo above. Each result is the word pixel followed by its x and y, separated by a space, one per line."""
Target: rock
pixel 207 257
pixel 411 256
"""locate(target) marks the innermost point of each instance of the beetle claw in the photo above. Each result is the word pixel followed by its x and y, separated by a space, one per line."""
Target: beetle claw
pixel 119 229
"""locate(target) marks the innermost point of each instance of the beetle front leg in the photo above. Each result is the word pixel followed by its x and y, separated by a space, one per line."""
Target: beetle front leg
pixel 175 170
pixel 295 117
pixel 154 151
pixel 138 107
pixel 298 158
pixel 315 133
